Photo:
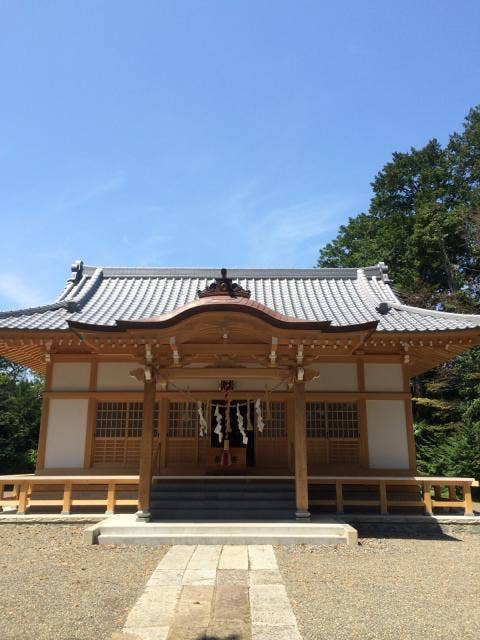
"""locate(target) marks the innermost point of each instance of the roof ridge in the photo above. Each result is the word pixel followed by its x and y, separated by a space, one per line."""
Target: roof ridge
pixel 89 288
pixel 235 272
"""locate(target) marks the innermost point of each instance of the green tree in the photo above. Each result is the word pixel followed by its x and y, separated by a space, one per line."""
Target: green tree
pixel 447 412
pixel 423 221
pixel 20 402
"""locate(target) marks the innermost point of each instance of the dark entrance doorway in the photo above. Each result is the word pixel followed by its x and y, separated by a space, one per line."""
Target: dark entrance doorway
pixel 235 436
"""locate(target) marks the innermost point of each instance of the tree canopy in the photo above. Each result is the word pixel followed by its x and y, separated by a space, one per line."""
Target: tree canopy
pixel 424 222
pixel 20 401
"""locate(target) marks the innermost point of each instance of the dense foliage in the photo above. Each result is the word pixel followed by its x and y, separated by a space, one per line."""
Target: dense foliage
pixel 424 222
pixel 20 401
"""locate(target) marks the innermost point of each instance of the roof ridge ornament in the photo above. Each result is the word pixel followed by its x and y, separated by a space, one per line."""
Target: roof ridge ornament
pixel 224 286
pixel 384 272
pixel 77 271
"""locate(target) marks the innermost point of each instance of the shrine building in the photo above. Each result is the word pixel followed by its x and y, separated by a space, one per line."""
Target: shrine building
pixel 299 375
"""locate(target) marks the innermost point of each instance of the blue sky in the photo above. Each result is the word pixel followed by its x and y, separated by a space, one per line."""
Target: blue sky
pixel 210 133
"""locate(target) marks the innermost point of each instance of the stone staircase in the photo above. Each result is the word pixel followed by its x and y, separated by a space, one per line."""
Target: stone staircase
pixel 221 511
pixel 225 499
pixel 125 529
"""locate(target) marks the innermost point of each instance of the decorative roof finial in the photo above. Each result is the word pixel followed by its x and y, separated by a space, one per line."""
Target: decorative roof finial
pixel 224 287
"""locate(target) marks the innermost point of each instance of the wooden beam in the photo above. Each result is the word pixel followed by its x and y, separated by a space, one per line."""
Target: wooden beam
pixel 223 373
pixel 301 470
pixel 313 396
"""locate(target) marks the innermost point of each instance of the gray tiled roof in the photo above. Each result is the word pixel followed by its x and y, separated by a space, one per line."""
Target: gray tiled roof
pixel 347 296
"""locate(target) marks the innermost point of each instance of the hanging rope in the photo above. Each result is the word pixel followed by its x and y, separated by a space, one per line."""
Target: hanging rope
pixel 218 428
pixel 240 423
pixel 258 411
pixel 201 418
pixel 203 430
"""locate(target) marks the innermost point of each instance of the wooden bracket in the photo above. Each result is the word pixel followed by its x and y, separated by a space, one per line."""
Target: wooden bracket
pixel 273 351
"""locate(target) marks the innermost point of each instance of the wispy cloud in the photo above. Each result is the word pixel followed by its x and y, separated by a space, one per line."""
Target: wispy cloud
pixel 79 195
pixel 247 227
pixel 291 236
pixel 275 235
pixel 17 293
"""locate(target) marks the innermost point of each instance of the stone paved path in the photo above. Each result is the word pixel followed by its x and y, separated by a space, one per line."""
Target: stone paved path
pixel 213 592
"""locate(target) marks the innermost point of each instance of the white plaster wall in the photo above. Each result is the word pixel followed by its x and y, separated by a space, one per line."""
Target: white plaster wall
pixel 70 376
pixel 383 377
pixel 67 428
pixel 334 376
pixel 115 376
pixel 387 434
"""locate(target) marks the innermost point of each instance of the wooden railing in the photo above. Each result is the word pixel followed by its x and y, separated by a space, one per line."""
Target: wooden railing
pixel 22 495
pixel 377 492
pixel 459 492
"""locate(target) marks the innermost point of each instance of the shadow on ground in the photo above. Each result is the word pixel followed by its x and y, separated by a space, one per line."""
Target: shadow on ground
pixel 414 531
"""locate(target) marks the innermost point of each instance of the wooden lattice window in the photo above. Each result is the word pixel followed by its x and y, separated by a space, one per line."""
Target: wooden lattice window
pixel 111 419
pixel 118 432
pixel 121 419
pixel 332 419
pixel 275 420
pixel 333 432
pixel 342 419
pixel 182 420
pixel 316 420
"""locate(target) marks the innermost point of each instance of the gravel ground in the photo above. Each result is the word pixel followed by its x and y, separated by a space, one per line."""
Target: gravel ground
pixel 399 589
pixel 54 587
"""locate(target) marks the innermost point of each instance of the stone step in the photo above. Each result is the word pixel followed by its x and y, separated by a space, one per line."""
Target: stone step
pixel 126 529
pixel 199 515
pixel 222 497
pixel 224 487
pixel 221 502
pixel 219 538
pixel 226 528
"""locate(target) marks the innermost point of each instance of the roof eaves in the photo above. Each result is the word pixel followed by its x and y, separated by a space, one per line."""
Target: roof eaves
pixel 72 305
pixel 64 304
pixel 444 315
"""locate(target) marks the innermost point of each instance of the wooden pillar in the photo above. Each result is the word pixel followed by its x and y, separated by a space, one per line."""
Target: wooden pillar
pixel 146 450
pixel 301 470
pixel 42 437
pixel 91 416
pixel 362 415
pixel 412 453
pixel 467 498
pixel 427 498
pixel 67 498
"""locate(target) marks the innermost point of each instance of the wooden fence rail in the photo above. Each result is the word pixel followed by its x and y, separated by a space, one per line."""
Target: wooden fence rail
pixel 22 496
pixel 23 489
pixel 459 492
